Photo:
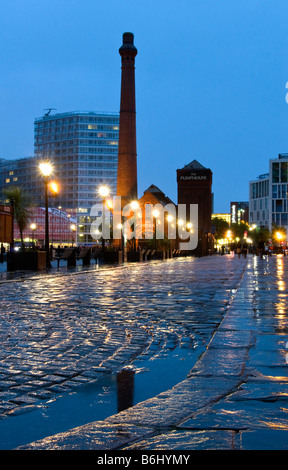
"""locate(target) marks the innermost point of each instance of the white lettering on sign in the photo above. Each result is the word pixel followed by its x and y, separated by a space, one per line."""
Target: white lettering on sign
pixel 193 177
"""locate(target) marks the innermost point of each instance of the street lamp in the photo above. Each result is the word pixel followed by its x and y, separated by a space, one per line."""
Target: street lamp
pixel 54 189
pixel 155 214
pixel 134 206
pixel 33 228
pixel 229 236
pixel 46 170
pixel 104 192
pixel 73 229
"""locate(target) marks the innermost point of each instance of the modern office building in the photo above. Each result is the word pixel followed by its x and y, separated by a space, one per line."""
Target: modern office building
pixel 268 195
pixel 83 150
pixel 239 212
pixel 21 172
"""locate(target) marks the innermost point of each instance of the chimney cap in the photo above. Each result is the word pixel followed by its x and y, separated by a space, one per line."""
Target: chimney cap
pixel 128 43
pixel 128 38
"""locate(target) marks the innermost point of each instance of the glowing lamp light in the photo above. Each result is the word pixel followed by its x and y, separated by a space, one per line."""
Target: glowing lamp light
pixel 45 168
pixel 54 187
pixel 134 205
pixel 103 191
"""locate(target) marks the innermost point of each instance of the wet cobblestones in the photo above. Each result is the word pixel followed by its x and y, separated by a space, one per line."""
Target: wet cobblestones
pixel 236 394
pixel 60 331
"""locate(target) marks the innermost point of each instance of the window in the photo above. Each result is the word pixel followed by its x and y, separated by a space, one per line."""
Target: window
pixel 279 206
pixel 284 219
pixel 275 172
pixel 284 172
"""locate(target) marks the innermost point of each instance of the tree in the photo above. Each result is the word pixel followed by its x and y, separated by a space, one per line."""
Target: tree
pixel 239 230
pixel 20 203
pixel 219 227
pixel 260 233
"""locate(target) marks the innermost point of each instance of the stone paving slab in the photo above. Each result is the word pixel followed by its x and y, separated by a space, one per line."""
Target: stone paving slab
pixel 236 395
pixel 62 330
pixel 169 408
pixel 55 328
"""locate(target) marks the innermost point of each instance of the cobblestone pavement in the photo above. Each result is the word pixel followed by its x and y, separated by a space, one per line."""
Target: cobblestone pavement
pixel 62 330
pixel 58 331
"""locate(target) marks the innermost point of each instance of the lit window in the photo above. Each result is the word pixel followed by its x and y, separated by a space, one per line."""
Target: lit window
pixel 7 180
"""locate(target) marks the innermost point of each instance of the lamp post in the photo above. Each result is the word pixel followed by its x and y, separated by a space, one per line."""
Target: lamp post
pixel 170 219
pixel 103 191
pixel 73 229
pixel 134 207
pixel 46 170
pixel 54 189
pixel 229 237
pixel 155 215
pixel 279 237
pixel 33 228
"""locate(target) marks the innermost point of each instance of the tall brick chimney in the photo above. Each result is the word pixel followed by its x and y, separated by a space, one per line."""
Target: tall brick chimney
pixel 127 156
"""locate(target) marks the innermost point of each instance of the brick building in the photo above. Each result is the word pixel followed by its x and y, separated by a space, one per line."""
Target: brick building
pixel 195 187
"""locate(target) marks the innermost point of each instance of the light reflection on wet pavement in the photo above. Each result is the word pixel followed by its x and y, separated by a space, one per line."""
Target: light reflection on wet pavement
pixel 63 331
pixel 224 318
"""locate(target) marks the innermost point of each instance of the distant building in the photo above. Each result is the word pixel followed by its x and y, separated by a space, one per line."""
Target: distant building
pixel 226 217
pixel 158 223
pixel 239 211
pixel 62 227
pixel 83 149
pixel 22 172
pixel 268 195
pixel 195 187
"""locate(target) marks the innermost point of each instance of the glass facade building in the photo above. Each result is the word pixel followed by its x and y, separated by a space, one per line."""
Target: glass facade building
pixel 83 150
pixel 22 172
pixel 268 195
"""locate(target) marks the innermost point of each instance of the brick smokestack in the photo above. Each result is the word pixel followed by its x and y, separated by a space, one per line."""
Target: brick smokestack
pixel 127 156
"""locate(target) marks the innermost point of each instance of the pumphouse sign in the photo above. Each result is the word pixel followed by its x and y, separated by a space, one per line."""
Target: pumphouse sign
pixel 193 176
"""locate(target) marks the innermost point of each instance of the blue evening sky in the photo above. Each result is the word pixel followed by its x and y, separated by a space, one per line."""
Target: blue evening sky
pixel 210 80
